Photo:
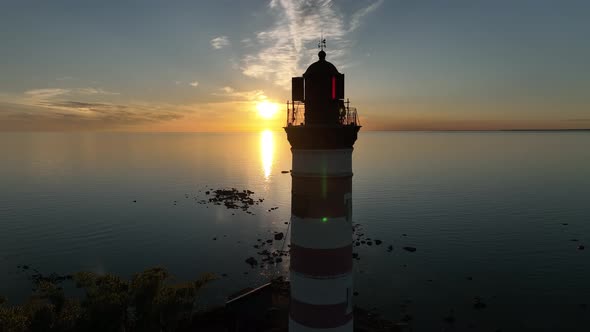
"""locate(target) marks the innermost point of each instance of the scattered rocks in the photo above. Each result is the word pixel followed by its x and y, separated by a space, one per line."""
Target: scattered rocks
pixel 134 201
pixel 279 236
pixel 274 257
pixel 231 198
pixel 378 242
pixel 581 247
pixel 469 278
pixel 390 248
pixel 410 249
pixel 564 224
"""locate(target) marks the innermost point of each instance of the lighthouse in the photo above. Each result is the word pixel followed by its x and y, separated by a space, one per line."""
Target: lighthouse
pixel 321 128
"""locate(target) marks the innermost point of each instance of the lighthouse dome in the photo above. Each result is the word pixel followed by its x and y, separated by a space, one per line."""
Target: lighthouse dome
pixel 321 67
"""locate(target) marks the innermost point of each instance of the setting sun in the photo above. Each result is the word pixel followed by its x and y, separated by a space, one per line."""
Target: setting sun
pixel 267 109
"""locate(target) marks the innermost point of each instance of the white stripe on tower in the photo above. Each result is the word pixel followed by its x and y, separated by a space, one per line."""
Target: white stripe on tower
pixel 321 241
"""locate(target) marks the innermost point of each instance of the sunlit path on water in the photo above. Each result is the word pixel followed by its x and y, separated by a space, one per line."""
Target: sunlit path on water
pixel 267 152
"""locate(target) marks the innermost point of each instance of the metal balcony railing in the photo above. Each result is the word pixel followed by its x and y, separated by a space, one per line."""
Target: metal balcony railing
pixel 296 114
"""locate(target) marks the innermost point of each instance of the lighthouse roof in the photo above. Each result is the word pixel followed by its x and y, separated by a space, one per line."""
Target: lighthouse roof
pixel 321 67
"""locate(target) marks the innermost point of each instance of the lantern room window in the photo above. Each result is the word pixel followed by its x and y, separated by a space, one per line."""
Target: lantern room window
pixel 333 87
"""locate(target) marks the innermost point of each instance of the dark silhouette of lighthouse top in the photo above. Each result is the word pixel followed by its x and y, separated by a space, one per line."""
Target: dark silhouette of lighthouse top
pixel 318 116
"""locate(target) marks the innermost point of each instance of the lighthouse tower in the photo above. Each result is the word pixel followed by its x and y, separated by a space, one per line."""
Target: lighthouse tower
pixel 321 128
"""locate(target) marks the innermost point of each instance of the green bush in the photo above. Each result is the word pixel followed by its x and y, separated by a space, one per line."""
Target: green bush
pixel 149 302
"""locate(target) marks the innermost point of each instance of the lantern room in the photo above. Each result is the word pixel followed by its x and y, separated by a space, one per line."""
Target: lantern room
pixel 318 97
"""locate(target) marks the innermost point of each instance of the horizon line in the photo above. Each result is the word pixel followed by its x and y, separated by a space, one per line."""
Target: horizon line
pixel 281 128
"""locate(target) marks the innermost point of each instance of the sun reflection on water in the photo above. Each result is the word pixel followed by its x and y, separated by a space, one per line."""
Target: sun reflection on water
pixel 267 151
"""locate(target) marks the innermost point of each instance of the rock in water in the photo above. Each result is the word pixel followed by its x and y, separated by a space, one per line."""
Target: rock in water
pixel 410 249
pixel 252 261
pixel 478 304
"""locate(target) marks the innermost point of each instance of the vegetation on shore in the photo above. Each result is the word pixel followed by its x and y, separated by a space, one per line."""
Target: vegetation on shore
pixel 150 301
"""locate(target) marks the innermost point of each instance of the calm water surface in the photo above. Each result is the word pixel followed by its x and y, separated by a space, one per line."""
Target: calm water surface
pixel 488 206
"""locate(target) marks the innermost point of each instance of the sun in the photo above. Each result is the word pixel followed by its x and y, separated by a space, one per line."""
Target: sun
pixel 267 109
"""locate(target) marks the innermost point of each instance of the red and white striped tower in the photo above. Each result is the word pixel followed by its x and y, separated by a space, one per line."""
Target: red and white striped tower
pixel 321 207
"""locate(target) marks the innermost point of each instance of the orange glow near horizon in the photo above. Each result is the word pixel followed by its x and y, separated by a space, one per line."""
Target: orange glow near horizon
pixel 261 114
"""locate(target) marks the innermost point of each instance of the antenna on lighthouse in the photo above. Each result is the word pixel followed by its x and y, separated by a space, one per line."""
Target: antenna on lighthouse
pixel 322 42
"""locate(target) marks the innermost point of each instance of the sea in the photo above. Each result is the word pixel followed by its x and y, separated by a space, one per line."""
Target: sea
pixel 496 218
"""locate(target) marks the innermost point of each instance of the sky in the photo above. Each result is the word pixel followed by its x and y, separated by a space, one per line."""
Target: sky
pixel 199 66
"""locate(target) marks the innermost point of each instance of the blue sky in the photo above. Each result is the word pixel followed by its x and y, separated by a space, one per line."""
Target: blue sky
pixel 203 65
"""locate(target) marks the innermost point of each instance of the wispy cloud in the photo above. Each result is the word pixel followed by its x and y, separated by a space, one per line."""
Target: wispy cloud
pixel 219 42
pixel 78 115
pixel 94 91
pixel 194 84
pixel 356 18
pixel 42 94
pixel 289 45
pixel 46 93
pixel 116 113
pixel 251 95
